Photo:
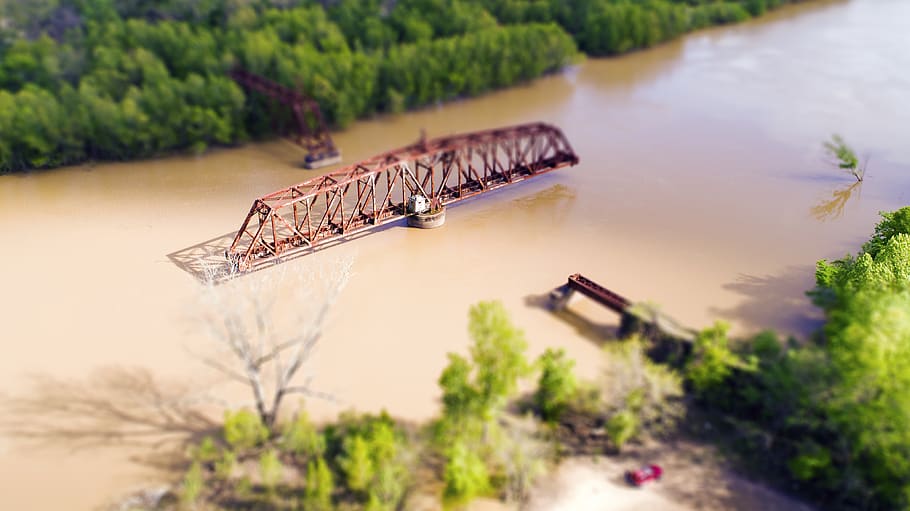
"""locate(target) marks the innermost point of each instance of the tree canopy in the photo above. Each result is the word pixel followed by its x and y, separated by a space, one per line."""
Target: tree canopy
pixel 122 79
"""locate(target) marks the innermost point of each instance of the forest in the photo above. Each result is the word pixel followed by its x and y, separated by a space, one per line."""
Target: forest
pixel 90 80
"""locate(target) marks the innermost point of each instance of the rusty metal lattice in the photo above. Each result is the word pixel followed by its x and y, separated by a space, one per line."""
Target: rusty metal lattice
pixel 310 130
pixel 376 191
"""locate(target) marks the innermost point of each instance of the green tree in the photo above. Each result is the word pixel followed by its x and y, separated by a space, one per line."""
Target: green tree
pixel 556 385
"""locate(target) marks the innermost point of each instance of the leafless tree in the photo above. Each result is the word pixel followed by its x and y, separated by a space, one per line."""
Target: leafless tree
pixel 266 326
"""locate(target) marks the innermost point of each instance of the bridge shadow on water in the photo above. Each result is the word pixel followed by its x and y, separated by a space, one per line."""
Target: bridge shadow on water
pixel 595 332
pixel 206 261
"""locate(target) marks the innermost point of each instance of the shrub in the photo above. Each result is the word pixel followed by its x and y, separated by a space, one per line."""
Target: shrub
pixel 224 467
pixel 374 459
pixel 193 484
pixel 206 452
pixel 301 437
pixel 465 474
pixel 556 386
pixel 711 361
pixel 270 469
pixel 244 430
pixel 317 495
pixel 357 463
pixel 622 427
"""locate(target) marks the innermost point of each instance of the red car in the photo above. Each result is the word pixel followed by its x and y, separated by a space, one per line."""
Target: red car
pixel 644 474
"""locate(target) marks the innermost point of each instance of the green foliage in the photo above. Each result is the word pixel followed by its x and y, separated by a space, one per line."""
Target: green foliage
pixel 712 360
pixel 224 467
pixel 497 353
pixel 374 460
pixel 301 437
pixel 837 412
pixel 193 484
pixel 465 473
pixel 141 81
pixel 838 148
pixel 622 427
pixel 812 460
pixel 206 451
pixel 103 79
pixel 556 386
pixel 357 463
pixel 244 430
pixel 479 389
pixel 317 495
pixel 270 469
pixel 892 224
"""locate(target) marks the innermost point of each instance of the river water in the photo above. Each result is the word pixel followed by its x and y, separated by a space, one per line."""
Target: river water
pixel 702 187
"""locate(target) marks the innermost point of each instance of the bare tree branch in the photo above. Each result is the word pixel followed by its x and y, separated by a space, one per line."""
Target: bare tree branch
pixel 262 345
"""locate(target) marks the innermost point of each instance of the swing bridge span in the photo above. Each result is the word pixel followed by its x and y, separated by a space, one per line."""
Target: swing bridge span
pixel 379 190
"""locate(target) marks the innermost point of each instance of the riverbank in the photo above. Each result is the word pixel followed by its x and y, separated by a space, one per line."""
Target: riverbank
pixel 701 166
pixel 157 82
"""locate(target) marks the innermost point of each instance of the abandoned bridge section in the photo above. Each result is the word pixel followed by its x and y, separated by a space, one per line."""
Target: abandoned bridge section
pixel 377 191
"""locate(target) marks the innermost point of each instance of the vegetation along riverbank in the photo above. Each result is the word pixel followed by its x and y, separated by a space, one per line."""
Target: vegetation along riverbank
pixel 824 418
pixel 90 80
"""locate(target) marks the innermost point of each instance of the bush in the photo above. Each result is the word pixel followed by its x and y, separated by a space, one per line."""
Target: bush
pixel 193 483
pixel 465 474
pixel 301 437
pixel 224 467
pixel 244 430
pixel 357 463
pixel 317 495
pixel 270 469
pixel 206 452
pixel 556 386
pixel 622 427
pixel 711 361
pixel 374 459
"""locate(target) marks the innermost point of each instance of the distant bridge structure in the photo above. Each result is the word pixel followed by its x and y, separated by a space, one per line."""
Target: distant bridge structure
pixel 378 190
pixel 309 129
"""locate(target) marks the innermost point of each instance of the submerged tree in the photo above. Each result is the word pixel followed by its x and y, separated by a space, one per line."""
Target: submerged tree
pixel 845 157
pixel 264 342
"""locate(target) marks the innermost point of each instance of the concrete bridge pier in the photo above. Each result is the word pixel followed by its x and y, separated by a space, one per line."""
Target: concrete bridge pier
pixel 428 220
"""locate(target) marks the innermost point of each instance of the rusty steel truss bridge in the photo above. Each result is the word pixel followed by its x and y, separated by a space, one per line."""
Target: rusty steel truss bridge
pixel 376 191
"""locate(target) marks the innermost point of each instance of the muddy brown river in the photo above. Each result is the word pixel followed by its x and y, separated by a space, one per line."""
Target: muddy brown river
pixel 702 187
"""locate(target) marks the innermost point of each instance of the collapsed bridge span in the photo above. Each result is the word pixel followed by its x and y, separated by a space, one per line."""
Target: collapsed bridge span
pixel 377 191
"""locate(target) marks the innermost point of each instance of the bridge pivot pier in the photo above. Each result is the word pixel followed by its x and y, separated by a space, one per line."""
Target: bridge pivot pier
pixel 428 219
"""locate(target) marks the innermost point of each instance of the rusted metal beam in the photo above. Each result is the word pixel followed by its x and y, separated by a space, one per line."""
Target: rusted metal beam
pixel 376 191
pixel 311 131
pixel 598 293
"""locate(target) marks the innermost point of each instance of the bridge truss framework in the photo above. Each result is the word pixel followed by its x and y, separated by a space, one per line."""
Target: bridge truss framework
pixel 376 191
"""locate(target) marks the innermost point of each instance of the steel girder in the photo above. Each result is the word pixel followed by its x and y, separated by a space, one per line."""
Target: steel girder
pixel 316 139
pixel 376 191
